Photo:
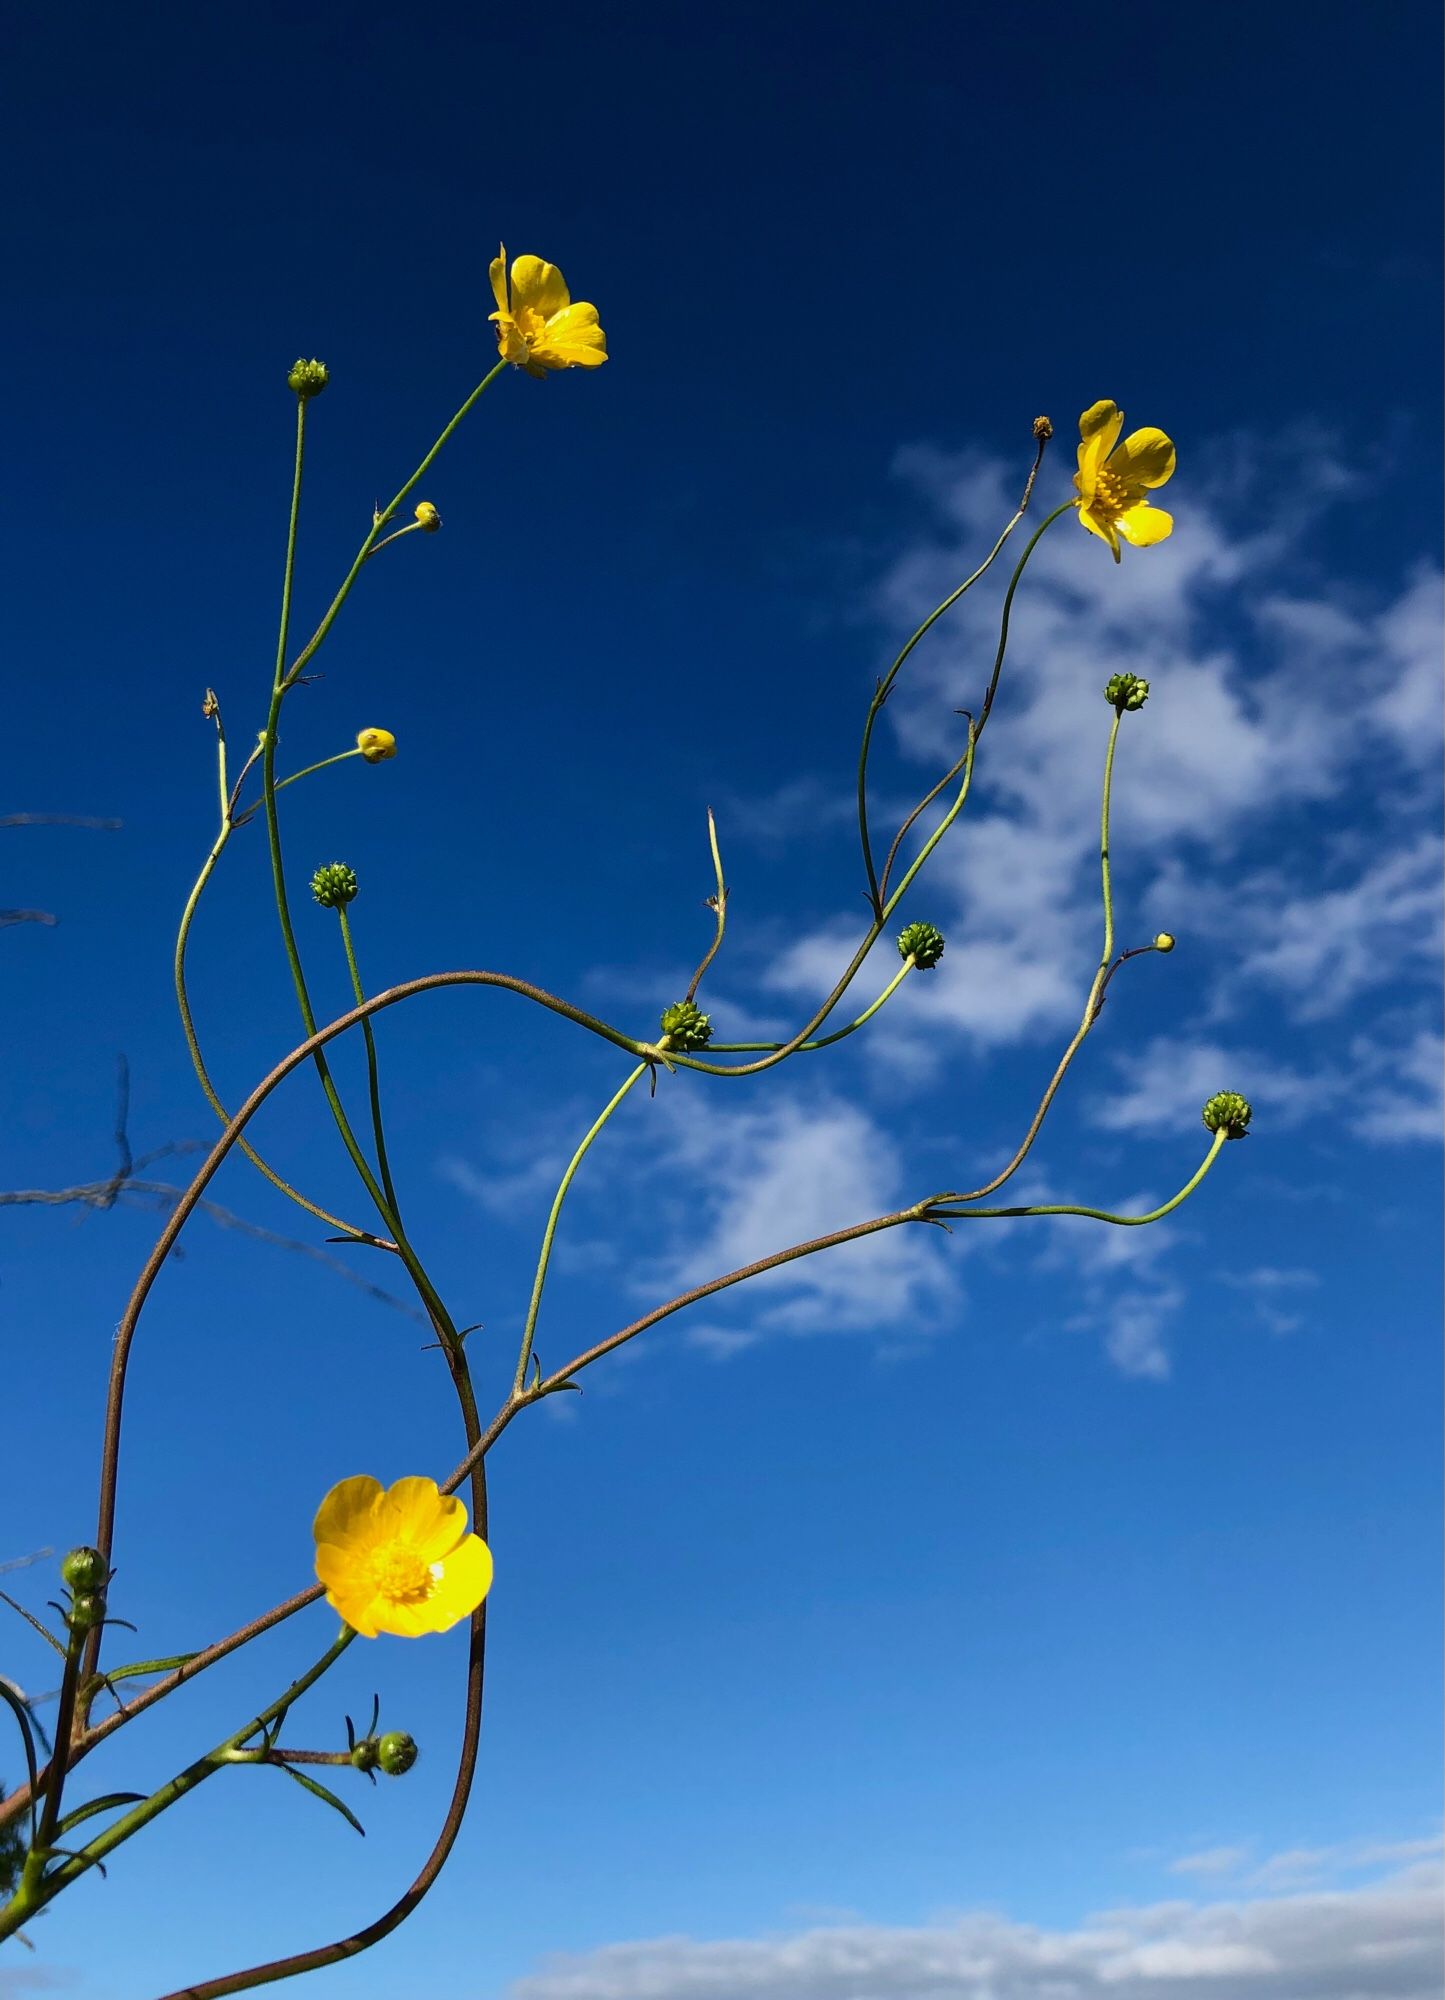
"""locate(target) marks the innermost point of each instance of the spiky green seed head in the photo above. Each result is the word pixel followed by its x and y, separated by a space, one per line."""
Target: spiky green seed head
pixel 923 943
pixel 308 378
pixel 1126 691
pixel 396 1753
pixel 1229 1113
pixel 685 1026
pixel 334 886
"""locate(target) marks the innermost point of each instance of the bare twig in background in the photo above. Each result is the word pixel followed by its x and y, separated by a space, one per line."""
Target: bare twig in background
pixel 128 1184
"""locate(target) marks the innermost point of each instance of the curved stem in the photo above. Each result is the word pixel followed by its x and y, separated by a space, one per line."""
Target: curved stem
pixel 937 1207
pixel 544 1258
pixel 193 1045
pixel 885 686
pixel 324 764
pixel 827 1041
pixel 373 1079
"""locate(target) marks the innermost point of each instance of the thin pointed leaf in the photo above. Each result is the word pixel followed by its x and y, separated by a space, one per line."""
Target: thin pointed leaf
pixel 94 1806
pixel 321 1792
pixel 47 1635
pixel 165 1666
pixel 22 1716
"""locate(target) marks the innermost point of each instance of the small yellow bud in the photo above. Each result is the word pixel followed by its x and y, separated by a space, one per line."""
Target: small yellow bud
pixel 427 517
pixel 376 745
pixel 1164 942
pixel 1043 429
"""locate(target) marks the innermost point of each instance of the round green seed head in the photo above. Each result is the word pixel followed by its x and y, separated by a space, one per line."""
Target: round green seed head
pixel 1126 691
pixel 923 943
pixel 1229 1113
pixel 308 378
pixel 334 886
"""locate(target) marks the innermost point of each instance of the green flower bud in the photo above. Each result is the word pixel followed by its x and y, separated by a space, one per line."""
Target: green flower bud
pixel 923 944
pixel 685 1026
pixel 364 1754
pixel 85 1569
pixel 1127 691
pixel 334 886
pixel 1164 942
pixel 1229 1113
pixel 308 378
pixel 87 1610
pixel 396 1753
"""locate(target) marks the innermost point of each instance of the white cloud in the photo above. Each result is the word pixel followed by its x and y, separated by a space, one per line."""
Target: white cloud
pixel 760 1179
pixel 1379 1941
pixel 1210 1861
pixel 1164 1085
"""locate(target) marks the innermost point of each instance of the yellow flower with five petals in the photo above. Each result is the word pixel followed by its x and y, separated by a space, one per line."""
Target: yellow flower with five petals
pixel 1114 480
pixel 538 326
pixel 399 1558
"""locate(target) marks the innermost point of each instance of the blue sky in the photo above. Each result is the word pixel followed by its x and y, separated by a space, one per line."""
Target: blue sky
pixel 871 1632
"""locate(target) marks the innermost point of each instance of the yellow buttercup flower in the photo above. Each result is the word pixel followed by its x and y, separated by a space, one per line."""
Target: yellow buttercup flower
pixel 399 1559
pixel 538 326
pixel 1114 485
pixel 376 745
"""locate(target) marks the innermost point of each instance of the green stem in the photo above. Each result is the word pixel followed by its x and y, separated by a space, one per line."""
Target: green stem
pixel 1104 809
pixel 881 692
pixel 340 758
pixel 938 1210
pixel 875 929
pixel 373 1079
pixel 545 1255
pixel 826 1041
pixel 193 1045
pixel 35 1895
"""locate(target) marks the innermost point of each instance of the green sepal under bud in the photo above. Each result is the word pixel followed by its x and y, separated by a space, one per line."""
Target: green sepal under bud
pixel 334 886
pixel 87 1610
pixel 365 1754
pixel 1126 691
pixel 396 1753
pixel 85 1569
pixel 1164 941
pixel 308 378
pixel 685 1026
pixel 1229 1113
pixel 923 943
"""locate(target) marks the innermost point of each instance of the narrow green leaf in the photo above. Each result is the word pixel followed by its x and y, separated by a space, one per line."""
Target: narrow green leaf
pixel 93 1806
pixel 47 1635
pixel 321 1792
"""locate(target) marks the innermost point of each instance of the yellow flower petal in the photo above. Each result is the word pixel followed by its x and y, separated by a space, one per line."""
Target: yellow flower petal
pixel 415 1510
pixel 1143 526
pixel 346 1513
pixel 465 1580
pixel 1145 458
pixel 1102 527
pixel 538 287
pixel 1100 425
pixel 497 272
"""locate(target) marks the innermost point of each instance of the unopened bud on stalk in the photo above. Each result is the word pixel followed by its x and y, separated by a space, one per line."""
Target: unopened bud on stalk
pixel 1164 942
pixel 396 1753
pixel 85 1569
pixel 1229 1113
pixel 87 1610
pixel 685 1026
pixel 1043 429
pixel 334 886
pixel 923 943
pixel 427 517
pixel 1127 691
pixel 308 378
pixel 376 745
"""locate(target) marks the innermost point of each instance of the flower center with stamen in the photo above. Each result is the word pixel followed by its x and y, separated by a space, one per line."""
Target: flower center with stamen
pixel 401 1575
pixel 1111 497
